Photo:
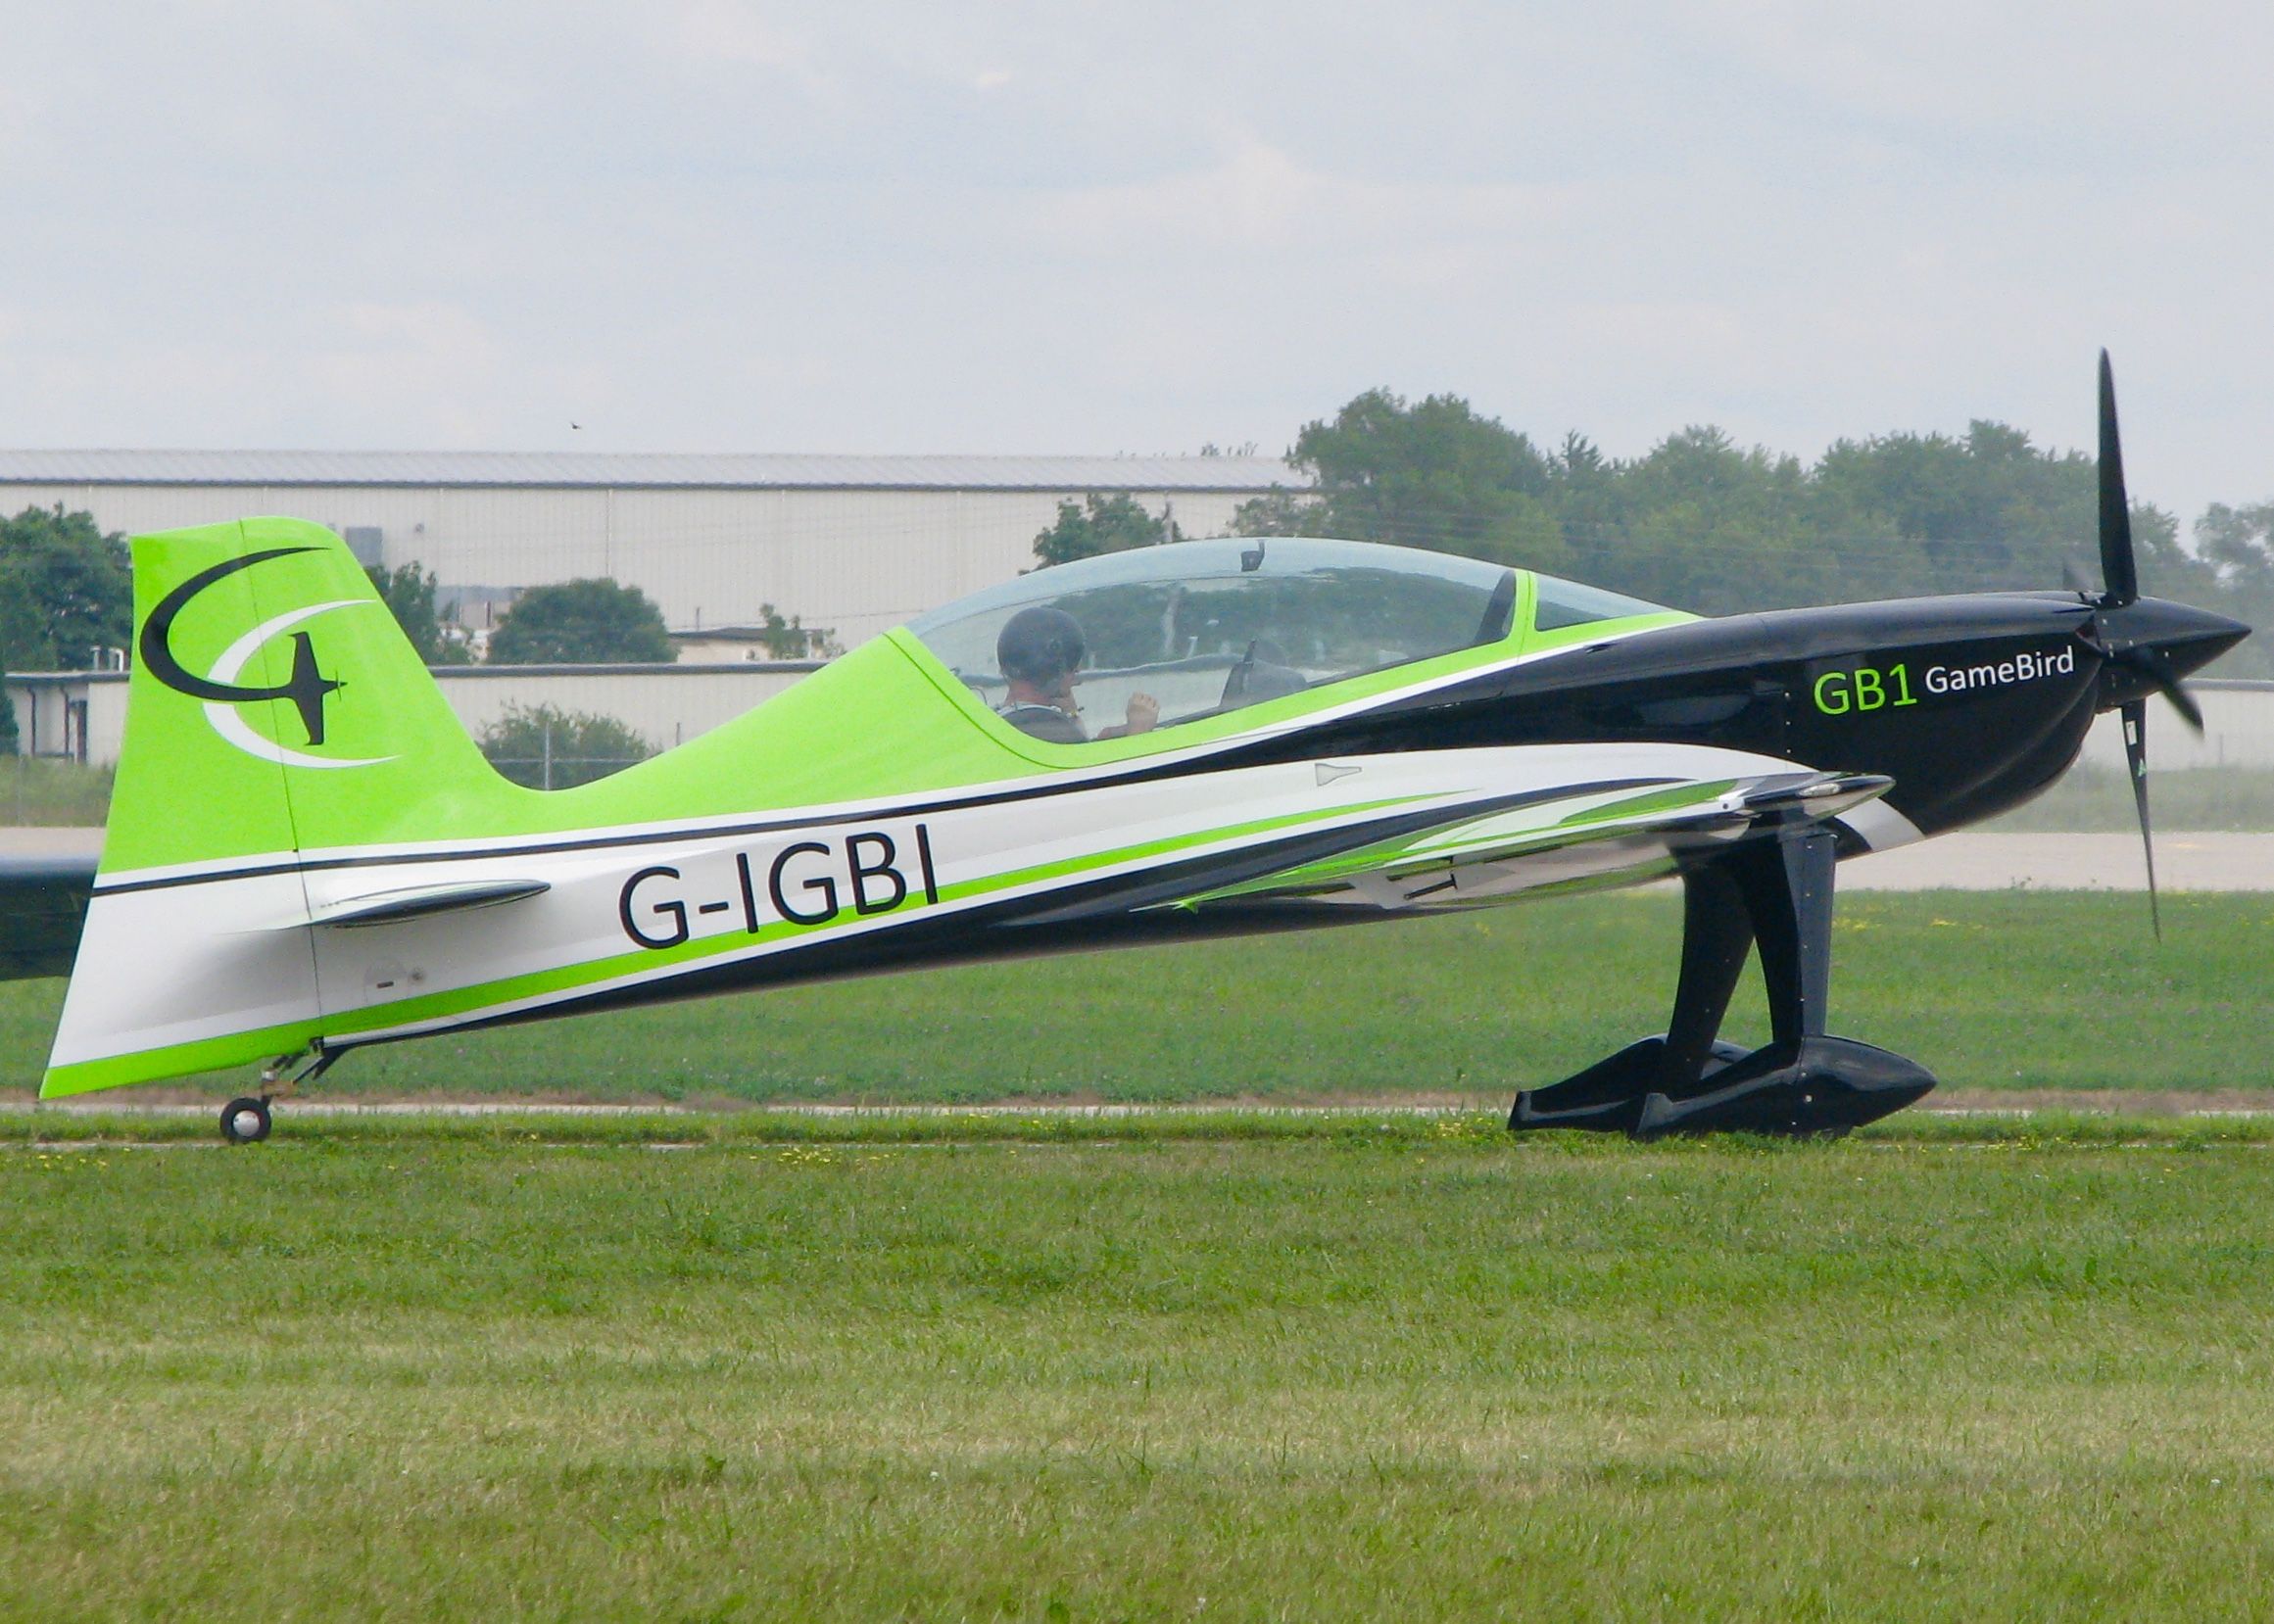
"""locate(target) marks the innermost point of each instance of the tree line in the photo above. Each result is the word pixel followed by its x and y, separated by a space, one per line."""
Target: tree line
pixel 1701 523
pixel 1698 522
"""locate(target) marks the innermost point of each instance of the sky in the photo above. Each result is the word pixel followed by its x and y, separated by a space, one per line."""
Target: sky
pixel 724 225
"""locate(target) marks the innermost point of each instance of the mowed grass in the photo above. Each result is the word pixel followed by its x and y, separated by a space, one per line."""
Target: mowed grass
pixel 43 789
pixel 2002 990
pixel 1447 1376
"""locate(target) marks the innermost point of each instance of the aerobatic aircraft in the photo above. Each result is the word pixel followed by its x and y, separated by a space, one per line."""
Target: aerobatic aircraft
pixel 307 854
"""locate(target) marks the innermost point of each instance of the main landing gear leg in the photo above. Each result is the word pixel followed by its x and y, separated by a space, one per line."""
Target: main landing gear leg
pixel 246 1121
pixel 1778 892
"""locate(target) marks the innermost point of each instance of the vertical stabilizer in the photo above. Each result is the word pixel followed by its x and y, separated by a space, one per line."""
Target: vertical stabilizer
pixel 276 706
pixel 275 710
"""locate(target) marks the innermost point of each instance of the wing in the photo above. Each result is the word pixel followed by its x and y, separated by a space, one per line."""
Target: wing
pixel 43 903
pixel 1588 841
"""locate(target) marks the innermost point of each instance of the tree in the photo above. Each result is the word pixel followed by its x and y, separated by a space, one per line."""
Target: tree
pixel 546 748
pixel 65 590
pixel 1280 512
pixel 1102 524
pixel 409 592
pixel 789 637
pixel 1433 474
pixel 2236 544
pixel 581 622
pixel 1703 523
pixel 9 743
pixel 1983 511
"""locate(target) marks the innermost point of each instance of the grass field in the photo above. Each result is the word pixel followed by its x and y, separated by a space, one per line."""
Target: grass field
pixel 47 791
pixel 372 1370
pixel 2001 990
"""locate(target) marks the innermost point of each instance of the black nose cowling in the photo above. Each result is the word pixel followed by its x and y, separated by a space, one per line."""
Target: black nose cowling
pixel 2152 642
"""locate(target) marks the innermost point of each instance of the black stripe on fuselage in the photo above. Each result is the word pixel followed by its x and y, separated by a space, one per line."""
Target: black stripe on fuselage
pixel 1491 708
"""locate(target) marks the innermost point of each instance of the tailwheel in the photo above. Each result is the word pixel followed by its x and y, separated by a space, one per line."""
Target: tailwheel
pixel 245 1122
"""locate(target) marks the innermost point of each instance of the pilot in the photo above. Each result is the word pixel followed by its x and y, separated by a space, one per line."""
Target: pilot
pixel 1038 651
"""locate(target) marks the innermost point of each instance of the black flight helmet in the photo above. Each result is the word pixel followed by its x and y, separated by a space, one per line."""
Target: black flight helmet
pixel 1039 645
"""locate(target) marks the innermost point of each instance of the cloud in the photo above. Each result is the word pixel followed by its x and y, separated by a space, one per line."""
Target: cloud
pixel 728 223
pixel 1259 197
pixel 2096 75
pixel 731 31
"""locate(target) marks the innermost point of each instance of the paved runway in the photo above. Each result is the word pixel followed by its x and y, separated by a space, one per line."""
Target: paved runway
pixel 51 843
pixel 1971 862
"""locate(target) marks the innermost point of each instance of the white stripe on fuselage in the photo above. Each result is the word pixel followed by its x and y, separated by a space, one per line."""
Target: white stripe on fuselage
pixel 209 961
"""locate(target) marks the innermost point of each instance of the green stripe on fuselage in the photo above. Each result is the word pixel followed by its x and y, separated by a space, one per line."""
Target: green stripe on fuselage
pixel 1657 800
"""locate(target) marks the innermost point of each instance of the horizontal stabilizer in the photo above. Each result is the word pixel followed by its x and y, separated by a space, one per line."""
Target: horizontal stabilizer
pixel 419 901
pixel 43 901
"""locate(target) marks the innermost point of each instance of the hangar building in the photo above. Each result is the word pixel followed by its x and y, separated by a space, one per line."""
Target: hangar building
pixel 852 544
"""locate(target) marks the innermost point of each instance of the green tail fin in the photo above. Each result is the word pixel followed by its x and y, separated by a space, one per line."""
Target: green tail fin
pixel 275 707
pixel 275 711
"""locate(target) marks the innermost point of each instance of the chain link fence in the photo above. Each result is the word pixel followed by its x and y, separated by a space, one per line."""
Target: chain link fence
pixel 544 747
pixel 561 772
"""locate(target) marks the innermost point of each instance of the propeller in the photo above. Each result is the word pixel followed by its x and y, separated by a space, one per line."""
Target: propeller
pixel 2119 575
pixel 2120 583
pixel 2134 715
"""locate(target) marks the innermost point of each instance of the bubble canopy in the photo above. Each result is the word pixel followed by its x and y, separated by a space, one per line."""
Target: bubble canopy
pixel 1207 626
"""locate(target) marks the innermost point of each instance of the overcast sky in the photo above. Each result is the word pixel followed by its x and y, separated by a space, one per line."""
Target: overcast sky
pixel 722 225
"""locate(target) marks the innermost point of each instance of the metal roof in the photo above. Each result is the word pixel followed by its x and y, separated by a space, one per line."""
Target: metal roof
pixel 633 469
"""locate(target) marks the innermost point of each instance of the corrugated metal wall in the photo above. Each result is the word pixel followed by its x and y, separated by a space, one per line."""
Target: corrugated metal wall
pixel 2237 731
pixel 858 562
pixel 666 705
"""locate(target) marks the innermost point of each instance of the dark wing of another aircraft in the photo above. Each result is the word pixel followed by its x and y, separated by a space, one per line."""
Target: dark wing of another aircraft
pixel 43 903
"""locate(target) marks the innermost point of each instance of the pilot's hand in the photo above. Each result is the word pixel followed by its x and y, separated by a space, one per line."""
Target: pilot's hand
pixel 1145 713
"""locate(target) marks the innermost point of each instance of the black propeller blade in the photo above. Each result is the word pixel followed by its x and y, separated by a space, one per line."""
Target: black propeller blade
pixel 2120 577
pixel 2118 574
pixel 2134 715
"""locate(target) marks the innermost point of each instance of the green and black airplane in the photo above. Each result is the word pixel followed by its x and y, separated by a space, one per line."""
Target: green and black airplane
pixel 307 854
